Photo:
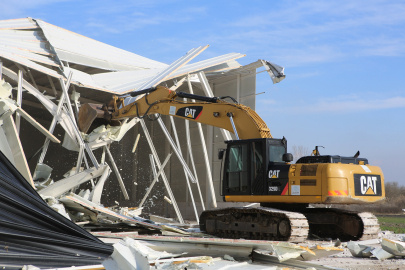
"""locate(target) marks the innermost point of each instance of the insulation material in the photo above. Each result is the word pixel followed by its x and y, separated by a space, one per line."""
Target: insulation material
pixel 66 184
pixel 394 247
pixel 320 251
pixel 381 254
pixel 131 254
pixel 76 202
pixel 33 233
pixel 234 247
pixel 360 251
pixel 56 205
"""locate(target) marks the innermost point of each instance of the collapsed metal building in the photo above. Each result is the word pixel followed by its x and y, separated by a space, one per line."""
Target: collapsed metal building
pixel 101 182
pixel 49 72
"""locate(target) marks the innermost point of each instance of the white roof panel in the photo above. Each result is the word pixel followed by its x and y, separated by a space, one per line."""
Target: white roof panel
pixel 127 81
pixel 167 72
pixel 32 56
pixel 25 35
pixel 207 63
pixel 114 79
pixel 82 50
pixel 24 23
pixel 34 43
pixel 30 46
pixel 28 63
pixel 83 79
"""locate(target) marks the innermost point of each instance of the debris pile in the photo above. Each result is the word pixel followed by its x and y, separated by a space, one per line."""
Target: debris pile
pixel 388 249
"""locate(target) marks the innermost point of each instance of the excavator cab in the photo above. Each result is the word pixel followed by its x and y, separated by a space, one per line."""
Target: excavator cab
pixel 255 167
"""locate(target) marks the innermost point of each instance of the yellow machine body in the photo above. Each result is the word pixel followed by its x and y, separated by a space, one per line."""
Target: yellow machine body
pixel 326 183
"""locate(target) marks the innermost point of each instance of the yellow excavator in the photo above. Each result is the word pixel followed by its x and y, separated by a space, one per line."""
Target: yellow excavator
pixel 257 169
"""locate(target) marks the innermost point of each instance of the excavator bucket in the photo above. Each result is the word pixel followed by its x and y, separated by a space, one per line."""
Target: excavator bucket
pixel 88 113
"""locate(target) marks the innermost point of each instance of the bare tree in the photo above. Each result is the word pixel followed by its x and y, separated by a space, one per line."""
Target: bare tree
pixel 299 151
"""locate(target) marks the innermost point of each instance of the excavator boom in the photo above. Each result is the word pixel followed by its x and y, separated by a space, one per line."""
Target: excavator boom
pixel 211 111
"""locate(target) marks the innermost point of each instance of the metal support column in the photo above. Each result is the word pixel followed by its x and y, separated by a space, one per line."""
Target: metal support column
pixel 190 152
pixel 55 120
pixel 19 100
pixel 176 150
pixel 32 78
pixel 204 147
pixel 70 113
pixel 233 125
pixel 155 177
pixel 189 143
pixel 136 142
pixel 79 159
pixel 165 181
pixel 117 173
pixel 185 173
pixel 102 161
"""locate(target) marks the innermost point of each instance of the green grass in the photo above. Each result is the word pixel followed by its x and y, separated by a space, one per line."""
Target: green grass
pixel 395 224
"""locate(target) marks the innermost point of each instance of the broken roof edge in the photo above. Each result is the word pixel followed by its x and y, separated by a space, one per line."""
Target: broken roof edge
pixel 25 23
pixel 85 80
pixel 74 57
pixel 221 62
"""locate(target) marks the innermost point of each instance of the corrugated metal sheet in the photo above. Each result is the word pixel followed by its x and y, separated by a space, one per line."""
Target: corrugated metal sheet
pixel 82 50
pixel 28 63
pixel 33 35
pixel 29 44
pixel 168 71
pixel 124 81
pixel 247 69
pixel 127 81
pixel 36 48
pixel 224 66
pixel 113 80
pixel 33 233
pixel 24 23
pixel 31 56
pixel 207 63
pixel 83 79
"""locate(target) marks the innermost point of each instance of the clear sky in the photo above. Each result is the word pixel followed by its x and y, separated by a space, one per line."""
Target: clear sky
pixel 344 60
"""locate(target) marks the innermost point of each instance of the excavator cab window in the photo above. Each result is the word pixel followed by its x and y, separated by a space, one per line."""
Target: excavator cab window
pixel 236 168
pixel 276 153
pixel 247 164
pixel 258 161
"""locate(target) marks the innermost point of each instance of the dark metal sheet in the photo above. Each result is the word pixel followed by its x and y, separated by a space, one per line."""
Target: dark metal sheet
pixel 33 233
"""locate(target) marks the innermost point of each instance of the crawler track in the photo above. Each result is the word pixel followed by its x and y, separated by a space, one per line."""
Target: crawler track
pixel 278 225
pixel 255 223
pixel 343 224
pixel 371 226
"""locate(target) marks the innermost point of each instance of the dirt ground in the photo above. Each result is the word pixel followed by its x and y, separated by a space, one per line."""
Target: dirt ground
pixel 345 260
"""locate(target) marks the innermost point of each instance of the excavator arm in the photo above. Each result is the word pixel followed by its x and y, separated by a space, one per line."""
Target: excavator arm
pixel 160 100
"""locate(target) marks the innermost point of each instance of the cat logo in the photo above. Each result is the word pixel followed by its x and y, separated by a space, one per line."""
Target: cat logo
pixel 191 112
pixel 368 185
pixel 274 173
